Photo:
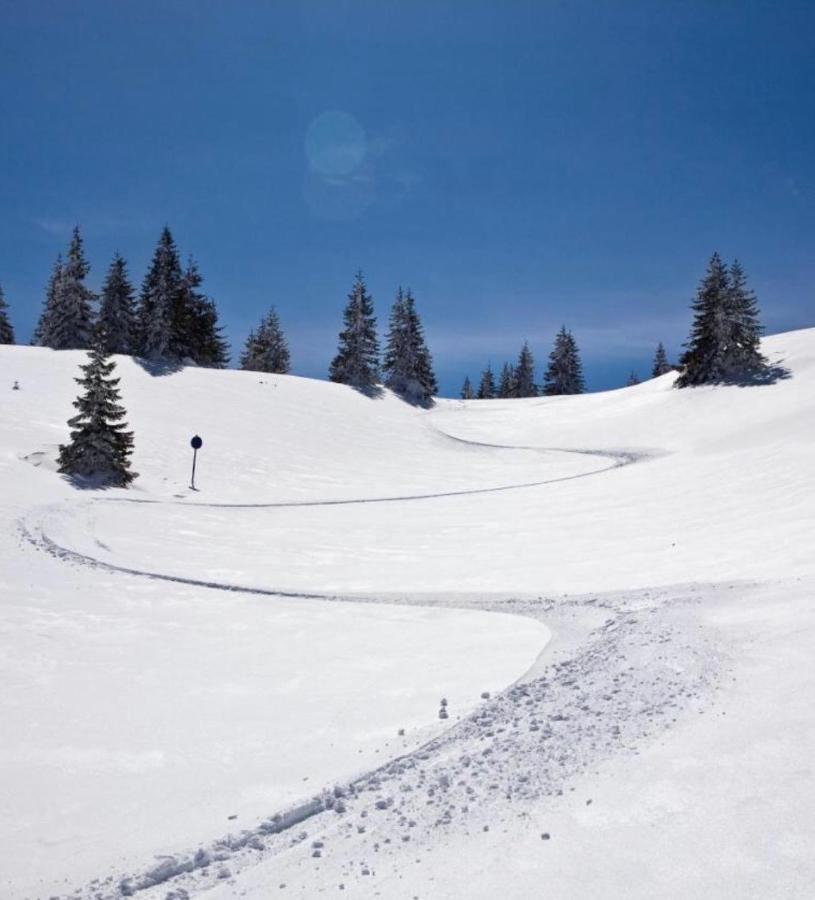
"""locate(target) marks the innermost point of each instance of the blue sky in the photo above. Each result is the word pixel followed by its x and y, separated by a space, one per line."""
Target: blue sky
pixel 518 165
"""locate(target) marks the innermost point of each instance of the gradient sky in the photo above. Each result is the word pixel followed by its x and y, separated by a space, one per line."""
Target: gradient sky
pixel 518 165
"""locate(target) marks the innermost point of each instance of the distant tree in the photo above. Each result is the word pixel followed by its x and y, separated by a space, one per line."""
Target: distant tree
pixel 467 392
pixel 6 331
pixel 744 357
pixel 486 388
pixel 704 360
pixel 357 359
pixel 100 447
pixel 564 374
pixel 506 382
pixel 266 349
pixel 725 336
pixel 633 379
pixel 407 364
pixel 117 312
pixel 196 333
pixel 158 313
pixel 69 306
pixel 661 365
pixel 525 374
pixel 43 333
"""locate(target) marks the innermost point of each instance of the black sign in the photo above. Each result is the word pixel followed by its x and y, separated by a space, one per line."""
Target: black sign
pixel 196 443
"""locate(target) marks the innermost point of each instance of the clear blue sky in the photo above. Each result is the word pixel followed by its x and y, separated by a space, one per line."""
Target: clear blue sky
pixel 518 165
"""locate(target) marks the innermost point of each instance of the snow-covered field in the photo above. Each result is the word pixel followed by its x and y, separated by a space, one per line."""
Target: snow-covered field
pixel 628 575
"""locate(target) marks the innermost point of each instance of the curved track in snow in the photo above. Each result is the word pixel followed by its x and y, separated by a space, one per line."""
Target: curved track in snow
pixel 619 458
pixel 36 534
pixel 470 732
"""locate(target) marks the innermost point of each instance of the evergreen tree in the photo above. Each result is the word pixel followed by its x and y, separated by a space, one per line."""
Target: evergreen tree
pixel 266 349
pixel 70 317
pixel 43 333
pixel 196 333
pixel 486 388
pixel 705 360
pixel 633 379
pixel 407 365
pixel 159 313
pixel 564 374
pixel 506 382
pixel 117 313
pixel 661 364
pixel 100 447
pixel 6 331
pixel 744 358
pixel 467 392
pixel 525 374
pixel 357 359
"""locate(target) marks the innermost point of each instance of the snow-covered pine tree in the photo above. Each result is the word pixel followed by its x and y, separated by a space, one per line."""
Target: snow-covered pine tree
pixel 525 374
pixel 486 387
pixel 744 360
pixel 266 349
pixel 506 383
pixel 661 365
pixel 425 374
pixel 43 332
pixel 467 392
pixel 633 379
pixel 117 312
pixel 196 334
pixel 159 301
pixel 100 447
pixel 564 374
pixel 706 357
pixel 357 359
pixel 407 364
pixel 71 316
pixel 6 330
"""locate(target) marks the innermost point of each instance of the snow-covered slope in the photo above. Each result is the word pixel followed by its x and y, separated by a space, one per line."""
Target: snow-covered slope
pixel 143 711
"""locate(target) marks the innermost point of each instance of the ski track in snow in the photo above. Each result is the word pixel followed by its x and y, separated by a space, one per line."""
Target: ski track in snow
pixel 605 693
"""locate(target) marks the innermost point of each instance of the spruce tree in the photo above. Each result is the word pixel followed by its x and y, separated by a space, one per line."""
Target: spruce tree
pixel 196 333
pixel 744 360
pixel 506 383
pixel 43 333
pixel 486 388
pixel 525 374
pixel 6 330
pixel 357 359
pixel 266 349
pixel 158 314
pixel 564 374
pixel 70 325
pixel 407 364
pixel 705 360
pixel 633 379
pixel 100 447
pixel 117 313
pixel 661 365
pixel 467 392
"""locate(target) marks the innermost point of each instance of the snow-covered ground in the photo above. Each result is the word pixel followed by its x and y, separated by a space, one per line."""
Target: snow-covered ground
pixel 178 671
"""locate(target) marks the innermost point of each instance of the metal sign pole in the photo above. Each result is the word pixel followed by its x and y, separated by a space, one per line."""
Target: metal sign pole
pixel 196 444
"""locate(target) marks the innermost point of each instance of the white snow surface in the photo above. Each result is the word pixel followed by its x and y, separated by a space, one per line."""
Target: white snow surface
pixel 180 667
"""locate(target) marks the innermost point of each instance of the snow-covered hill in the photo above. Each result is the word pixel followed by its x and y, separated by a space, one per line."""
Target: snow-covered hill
pixel 148 699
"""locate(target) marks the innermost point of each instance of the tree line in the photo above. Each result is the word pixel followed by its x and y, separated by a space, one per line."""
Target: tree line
pixel 174 320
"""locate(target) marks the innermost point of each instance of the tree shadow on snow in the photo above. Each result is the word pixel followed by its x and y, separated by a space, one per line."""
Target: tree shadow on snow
pixel 771 375
pixel 158 367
